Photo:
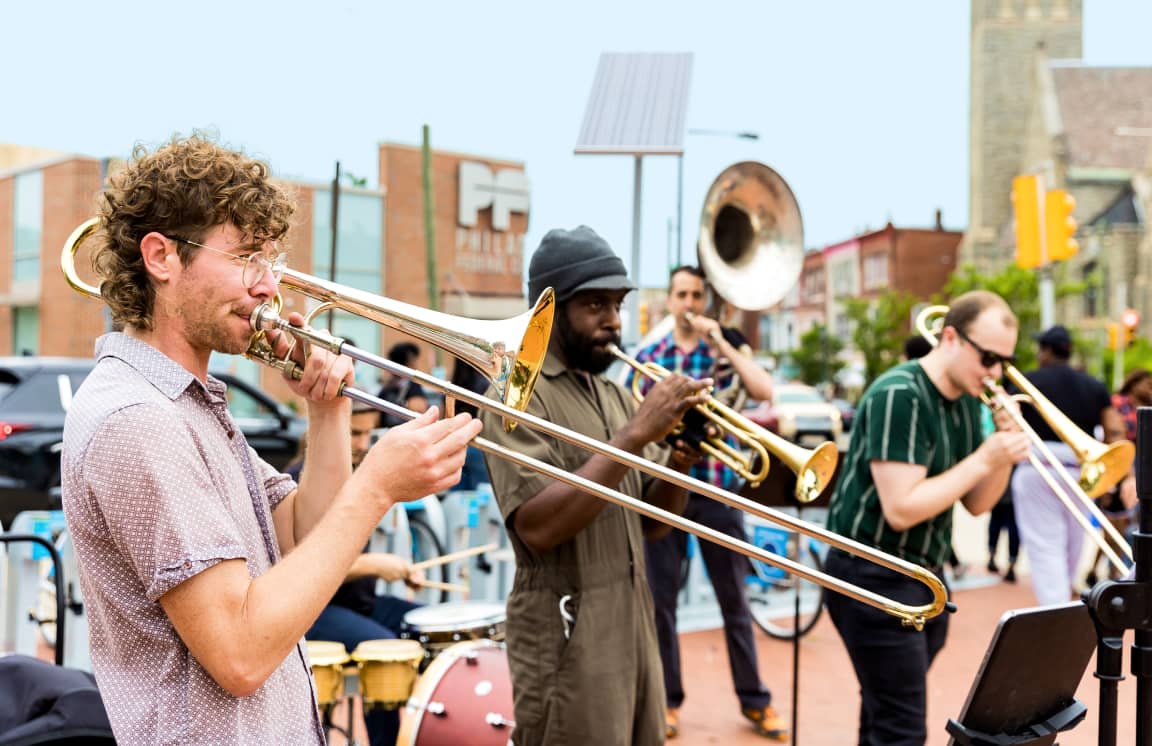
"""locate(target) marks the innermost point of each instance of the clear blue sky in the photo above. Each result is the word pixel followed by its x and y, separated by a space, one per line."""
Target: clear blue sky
pixel 861 106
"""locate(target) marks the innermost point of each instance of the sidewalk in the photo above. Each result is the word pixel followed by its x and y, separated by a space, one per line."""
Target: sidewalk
pixel 829 697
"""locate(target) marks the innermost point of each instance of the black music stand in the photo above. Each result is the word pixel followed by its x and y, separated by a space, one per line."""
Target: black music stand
pixel 1025 690
pixel 1126 604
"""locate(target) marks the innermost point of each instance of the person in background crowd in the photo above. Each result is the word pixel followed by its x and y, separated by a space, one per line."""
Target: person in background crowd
pixel 400 390
pixel 1121 505
pixel 1049 532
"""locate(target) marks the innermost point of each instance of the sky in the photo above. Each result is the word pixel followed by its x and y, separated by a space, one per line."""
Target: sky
pixel 861 106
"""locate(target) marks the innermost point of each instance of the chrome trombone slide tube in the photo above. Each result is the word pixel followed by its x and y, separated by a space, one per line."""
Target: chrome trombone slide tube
pixel 1051 464
pixel 814 469
pixel 1103 464
pixel 265 319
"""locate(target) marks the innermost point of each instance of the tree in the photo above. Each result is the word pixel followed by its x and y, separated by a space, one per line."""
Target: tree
pixel 879 329
pixel 817 357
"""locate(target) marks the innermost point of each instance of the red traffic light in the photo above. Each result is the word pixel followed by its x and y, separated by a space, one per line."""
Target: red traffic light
pixel 1130 318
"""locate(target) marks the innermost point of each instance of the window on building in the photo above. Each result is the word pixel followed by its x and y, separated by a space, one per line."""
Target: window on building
pixel 26 330
pixel 814 286
pixel 841 275
pixel 27 221
pixel 1091 289
pixel 875 271
pixel 359 255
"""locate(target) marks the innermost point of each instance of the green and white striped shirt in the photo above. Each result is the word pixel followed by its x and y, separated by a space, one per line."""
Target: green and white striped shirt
pixel 903 417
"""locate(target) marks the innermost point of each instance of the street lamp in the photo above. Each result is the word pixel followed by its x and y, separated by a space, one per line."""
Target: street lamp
pixel 735 134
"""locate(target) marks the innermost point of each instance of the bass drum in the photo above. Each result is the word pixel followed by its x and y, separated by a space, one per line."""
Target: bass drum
pixel 465 696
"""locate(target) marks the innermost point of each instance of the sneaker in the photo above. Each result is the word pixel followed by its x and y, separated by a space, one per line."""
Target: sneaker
pixel 992 567
pixel 672 722
pixel 1010 576
pixel 767 722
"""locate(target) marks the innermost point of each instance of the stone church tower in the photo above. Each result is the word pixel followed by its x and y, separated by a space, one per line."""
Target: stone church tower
pixel 1005 34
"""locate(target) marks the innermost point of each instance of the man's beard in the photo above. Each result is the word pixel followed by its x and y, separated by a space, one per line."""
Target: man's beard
pixel 581 351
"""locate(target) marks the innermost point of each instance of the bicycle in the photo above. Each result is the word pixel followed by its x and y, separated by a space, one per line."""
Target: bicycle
pixel 772 592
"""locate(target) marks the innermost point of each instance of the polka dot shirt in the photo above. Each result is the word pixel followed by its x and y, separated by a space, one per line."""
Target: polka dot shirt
pixel 159 484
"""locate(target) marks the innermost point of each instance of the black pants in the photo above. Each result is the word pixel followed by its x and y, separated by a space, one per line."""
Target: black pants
pixel 727 571
pixel 891 660
pixel 1004 519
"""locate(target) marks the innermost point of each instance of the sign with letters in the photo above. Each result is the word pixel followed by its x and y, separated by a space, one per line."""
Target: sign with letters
pixel 505 192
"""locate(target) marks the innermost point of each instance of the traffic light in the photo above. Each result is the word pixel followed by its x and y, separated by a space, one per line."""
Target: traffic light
pixel 1027 207
pixel 1129 320
pixel 1060 226
pixel 642 316
pixel 1113 336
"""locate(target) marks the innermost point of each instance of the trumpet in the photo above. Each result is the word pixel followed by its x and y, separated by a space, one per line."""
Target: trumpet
pixel 266 318
pixel 1103 465
pixel 814 469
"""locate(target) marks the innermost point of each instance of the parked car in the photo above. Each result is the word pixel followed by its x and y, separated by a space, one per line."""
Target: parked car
pixel 847 412
pixel 34 396
pixel 798 412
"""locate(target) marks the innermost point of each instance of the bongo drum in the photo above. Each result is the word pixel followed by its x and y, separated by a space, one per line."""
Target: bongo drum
pixel 387 669
pixel 327 660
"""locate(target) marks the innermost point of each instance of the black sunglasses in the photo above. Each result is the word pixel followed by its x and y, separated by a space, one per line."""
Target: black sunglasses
pixel 988 358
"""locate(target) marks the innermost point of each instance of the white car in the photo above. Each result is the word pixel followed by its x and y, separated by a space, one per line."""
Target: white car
pixel 803 416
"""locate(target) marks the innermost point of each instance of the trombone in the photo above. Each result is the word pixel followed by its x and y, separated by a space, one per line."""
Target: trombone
pixel 1103 465
pixel 266 318
pixel 814 469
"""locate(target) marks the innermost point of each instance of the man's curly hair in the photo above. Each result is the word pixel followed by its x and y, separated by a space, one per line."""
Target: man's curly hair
pixel 186 187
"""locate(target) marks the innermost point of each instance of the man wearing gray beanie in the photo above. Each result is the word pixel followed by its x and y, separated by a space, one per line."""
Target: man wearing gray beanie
pixel 580 630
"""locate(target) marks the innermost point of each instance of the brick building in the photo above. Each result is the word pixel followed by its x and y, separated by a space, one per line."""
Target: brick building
pixel 917 261
pixel 480 215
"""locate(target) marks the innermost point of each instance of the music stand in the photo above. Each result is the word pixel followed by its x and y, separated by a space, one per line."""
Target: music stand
pixel 1025 690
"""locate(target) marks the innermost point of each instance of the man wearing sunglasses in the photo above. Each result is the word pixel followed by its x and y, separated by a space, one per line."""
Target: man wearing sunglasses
pixel 201 566
pixel 917 449
pixel 1048 531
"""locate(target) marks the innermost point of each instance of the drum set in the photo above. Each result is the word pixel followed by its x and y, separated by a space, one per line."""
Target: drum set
pixel 447 673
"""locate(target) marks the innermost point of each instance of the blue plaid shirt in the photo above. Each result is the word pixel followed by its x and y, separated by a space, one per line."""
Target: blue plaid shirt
pixel 697 363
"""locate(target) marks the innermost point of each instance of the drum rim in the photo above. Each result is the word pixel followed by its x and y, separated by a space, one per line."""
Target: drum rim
pixel 440 665
pixel 495 614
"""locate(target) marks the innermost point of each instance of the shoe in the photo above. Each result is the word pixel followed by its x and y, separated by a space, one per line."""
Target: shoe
pixel 672 722
pixel 959 571
pixel 1010 576
pixel 992 567
pixel 767 722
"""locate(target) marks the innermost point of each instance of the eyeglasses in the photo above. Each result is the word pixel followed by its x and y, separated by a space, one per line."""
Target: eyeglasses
pixel 255 264
pixel 988 358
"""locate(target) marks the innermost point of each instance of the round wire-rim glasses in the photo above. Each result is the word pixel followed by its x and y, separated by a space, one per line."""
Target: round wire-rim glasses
pixel 255 264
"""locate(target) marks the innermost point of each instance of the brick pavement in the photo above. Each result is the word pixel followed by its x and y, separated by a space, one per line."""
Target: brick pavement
pixel 829 697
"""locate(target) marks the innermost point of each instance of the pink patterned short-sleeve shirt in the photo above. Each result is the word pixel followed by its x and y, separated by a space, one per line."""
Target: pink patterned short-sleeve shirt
pixel 159 485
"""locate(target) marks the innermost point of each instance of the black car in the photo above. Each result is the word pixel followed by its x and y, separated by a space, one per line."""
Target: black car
pixel 34 395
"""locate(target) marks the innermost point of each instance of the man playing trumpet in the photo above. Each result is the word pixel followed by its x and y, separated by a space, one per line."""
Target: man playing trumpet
pixel 697 347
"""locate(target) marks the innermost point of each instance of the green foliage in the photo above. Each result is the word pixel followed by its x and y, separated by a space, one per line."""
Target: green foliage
pixel 817 357
pixel 1020 287
pixel 879 329
pixel 1139 355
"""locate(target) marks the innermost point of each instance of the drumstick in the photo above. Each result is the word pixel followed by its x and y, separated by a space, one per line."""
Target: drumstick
pixel 451 587
pixel 446 558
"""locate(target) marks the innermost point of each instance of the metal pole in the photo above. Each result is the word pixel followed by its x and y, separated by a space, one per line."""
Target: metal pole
pixel 679 210
pixel 632 302
pixel 335 234
pixel 430 230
